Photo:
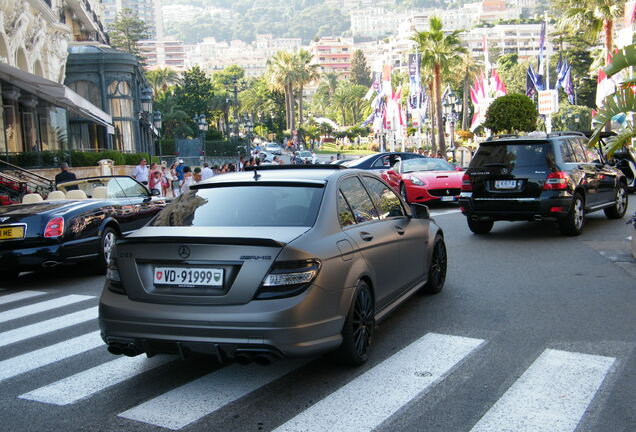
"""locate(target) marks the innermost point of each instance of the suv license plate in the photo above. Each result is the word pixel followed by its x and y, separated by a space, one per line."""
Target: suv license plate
pixel 505 184
pixel 184 276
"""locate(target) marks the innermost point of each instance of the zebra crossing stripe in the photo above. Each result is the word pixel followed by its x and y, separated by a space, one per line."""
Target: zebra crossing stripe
pixel 9 298
pixel 190 402
pixel 43 327
pixel 85 384
pixel 551 396
pixel 42 307
pixel 371 398
pixel 35 359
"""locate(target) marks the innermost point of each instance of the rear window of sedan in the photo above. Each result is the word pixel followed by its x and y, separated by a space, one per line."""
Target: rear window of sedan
pixel 236 206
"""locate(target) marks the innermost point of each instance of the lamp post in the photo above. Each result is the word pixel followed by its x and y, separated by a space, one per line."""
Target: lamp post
pixel 451 107
pixel 203 127
pixel 156 121
pixel 145 114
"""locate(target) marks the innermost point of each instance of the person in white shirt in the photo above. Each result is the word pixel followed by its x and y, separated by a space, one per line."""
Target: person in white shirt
pixel 206 172
pixel 141 172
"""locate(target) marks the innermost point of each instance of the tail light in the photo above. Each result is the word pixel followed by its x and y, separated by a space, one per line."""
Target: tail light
pixel 113 279
pixel 55 228
pixel 466 184
pixel 288 278
pixel 556 181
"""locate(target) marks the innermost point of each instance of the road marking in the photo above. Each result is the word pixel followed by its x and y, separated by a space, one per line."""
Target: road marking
pixel 551 396
pixel 43 327
pixel 371 398
pixel 188 403
pixel 42 306
pixel 85 384
pixel 47 355
pixel 444 212
pixel 19 296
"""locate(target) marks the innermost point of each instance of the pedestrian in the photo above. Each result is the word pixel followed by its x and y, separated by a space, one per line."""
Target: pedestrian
pixel 197 175
pixel 188 179
pixel 241 163
pixel 206 172
pixel 64 175
pixel 166 181
pixel 332 158
pixel 155 182
pixel 179 170
pixel 141 172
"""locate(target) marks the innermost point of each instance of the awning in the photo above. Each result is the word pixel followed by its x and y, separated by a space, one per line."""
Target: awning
pixel 56 94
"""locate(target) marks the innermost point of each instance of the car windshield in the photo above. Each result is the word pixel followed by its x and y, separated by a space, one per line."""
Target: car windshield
pixel 411 165
pixel 305 154
pixel 248 206
pixel 511 155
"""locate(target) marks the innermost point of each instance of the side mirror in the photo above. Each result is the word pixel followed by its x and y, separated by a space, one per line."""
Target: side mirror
pixel 420 211
pixel 458 168
pixel 154 192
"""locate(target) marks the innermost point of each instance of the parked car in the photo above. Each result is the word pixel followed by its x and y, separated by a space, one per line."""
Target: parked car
pixel 297 261
pixel 264 156
pixel 381 161
pixel 274 148
pixel 424 180
pixel 307 157
pixel 553 177
pixel 73 225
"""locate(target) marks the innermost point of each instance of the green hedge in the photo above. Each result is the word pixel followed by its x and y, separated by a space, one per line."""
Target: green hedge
pixel 212 148
pixel 50 159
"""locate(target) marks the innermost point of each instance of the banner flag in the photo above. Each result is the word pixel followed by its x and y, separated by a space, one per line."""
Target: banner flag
pixel 541 70
pixel 415 81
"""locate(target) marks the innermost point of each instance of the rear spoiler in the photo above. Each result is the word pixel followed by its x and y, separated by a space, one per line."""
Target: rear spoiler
pixel 238 241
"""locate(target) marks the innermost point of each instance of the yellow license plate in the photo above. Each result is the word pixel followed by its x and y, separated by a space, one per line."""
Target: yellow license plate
pixel 8 233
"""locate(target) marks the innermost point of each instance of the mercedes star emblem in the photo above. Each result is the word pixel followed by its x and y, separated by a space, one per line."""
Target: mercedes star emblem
pixel 504 171
pixel 184 251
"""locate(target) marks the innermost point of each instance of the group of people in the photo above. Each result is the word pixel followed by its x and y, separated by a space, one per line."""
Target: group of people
pixel 170 181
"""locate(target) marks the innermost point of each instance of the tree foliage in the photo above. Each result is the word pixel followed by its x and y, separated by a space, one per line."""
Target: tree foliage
pixel 195 92
pixel 360 71
pixel 511 113
pixel 126 31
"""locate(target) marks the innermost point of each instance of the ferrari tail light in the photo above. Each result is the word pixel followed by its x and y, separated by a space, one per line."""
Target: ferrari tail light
pixel 55 228
pixel 556 181
pixel 466 184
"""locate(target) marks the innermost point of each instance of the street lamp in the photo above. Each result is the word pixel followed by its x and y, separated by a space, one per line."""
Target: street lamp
pixel 156 121
pixel 146 99
pixel 203 127
pixel 451 107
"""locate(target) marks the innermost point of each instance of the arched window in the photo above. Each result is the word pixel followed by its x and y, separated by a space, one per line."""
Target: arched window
pixel 89 91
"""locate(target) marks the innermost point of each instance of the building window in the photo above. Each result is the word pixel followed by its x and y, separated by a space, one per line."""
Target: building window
pixel 121 109
pixel 89 91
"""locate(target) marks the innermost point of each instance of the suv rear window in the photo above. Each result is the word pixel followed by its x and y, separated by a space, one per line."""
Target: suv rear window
pixel 511 155
pixel 236 206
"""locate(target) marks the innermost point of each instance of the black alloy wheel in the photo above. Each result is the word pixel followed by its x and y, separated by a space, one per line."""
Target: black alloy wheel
pixel 572 224
pixel 359 326
pixel 480 226
pixel 619 208
pixel 437 269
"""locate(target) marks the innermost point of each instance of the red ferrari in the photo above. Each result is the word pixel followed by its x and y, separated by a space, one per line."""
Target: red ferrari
pixel 422 180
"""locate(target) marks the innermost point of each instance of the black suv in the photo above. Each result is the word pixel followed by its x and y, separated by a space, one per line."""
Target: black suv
pixel 551 176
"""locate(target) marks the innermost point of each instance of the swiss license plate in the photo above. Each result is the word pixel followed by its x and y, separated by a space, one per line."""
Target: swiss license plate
pixel 188 276
pixel 505 184
pixel 11 233
pixel 447 198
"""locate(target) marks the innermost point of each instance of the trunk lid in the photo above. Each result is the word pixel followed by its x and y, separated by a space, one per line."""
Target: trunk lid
pixel 33 217
pixel 221 265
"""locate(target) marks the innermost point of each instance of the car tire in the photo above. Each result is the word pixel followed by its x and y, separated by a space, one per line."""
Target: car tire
pixel 437 268
pixel 573 222
pixel 357 333
pixel 480 226
pixel 403 193
pixel 618 210
pixel 106 243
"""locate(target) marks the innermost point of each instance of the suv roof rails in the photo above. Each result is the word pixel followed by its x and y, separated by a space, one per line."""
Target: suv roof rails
pixel 290 167
pixel 563 133
pixel 497 137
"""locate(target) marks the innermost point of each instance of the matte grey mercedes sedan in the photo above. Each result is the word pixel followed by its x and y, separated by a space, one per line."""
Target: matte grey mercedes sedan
pixel 279 262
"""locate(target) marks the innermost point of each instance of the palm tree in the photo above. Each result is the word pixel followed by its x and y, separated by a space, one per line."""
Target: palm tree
pixel 467 70
pixel 440 51
pixel 589 17
pixel 305 73
pixel 281 77
pixel 161 78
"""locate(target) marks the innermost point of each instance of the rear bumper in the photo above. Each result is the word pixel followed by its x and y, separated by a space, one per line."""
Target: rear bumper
pixel 511 209
pixel 304 325
pixel 40 256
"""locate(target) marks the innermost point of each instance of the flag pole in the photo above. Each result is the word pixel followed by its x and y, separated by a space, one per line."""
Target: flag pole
pixel 548 117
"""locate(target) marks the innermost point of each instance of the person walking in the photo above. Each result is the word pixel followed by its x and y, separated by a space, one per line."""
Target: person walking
pixel 206 172
pixel 188 179
pixel 166 181
pixel 179 170
pixel 64 175
pixel 141 172
pixel 155 182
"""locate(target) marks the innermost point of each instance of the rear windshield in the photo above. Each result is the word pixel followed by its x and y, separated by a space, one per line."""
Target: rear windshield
pixel 422 164
pixel 248 206
pixel 511 155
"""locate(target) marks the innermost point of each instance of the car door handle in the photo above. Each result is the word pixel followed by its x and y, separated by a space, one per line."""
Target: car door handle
pixel 400 230
pixel 366 236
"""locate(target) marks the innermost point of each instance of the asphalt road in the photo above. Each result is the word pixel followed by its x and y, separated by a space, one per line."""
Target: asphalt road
pixel 531 326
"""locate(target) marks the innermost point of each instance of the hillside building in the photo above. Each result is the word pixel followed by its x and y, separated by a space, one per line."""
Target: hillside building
pixel 163 53
pixel 149 11
pixel 333 55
